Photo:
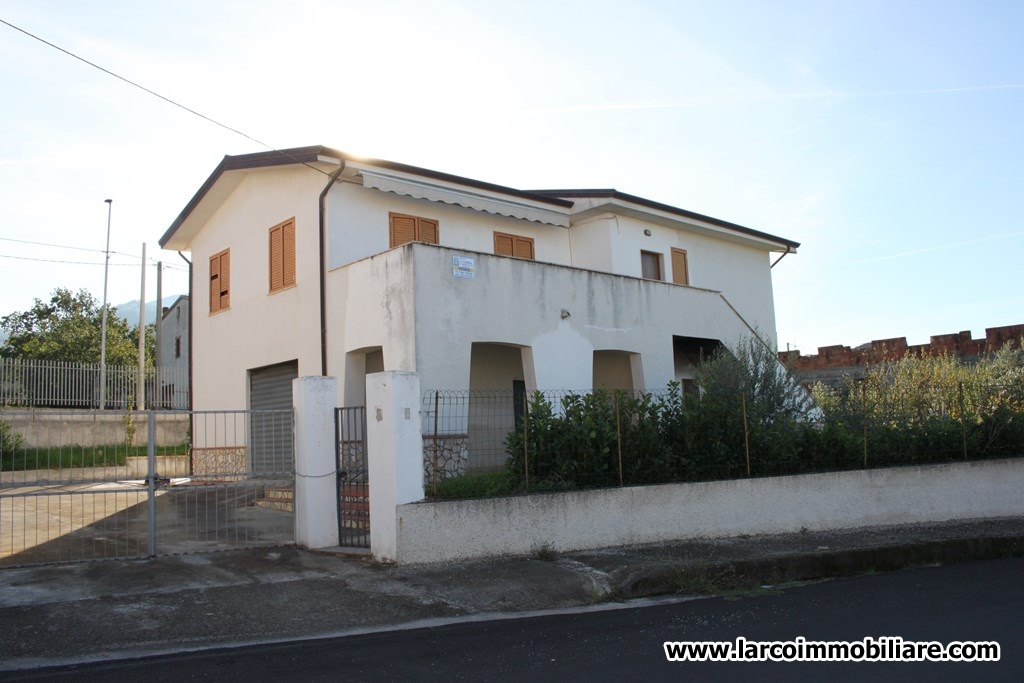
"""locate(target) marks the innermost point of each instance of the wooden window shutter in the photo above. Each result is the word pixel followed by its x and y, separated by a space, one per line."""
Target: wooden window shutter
pixel 282 255
pixel 220 281
pixel 403 229
pixel 225 279
pixel 214 283
pixel 523 248
pixel 513 245
pixel 427 230
pixel 412 229
pixel 504 245
pixel 288 242
pixel 276 259
pixel 680 267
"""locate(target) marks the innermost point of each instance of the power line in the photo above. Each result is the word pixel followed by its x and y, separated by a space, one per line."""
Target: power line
pixel 75 263
pixel 156 94
pixel 56 246
pixel 150 259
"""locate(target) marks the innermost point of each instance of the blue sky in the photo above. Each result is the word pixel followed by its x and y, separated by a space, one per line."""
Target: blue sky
pixel 886 137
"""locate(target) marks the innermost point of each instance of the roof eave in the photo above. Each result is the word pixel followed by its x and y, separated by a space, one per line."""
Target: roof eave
pixel 244 162
pixel 614 196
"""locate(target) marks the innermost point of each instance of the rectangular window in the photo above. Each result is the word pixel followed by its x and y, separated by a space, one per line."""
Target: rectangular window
pixel 650 265
pixel 412 229
pixel 513 245
pixel 282 255
pixel 177 347
pixel 680 268
pixel 220 281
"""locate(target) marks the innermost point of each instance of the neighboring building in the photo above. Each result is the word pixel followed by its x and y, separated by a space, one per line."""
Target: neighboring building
pixel 174 354
pixel 834 363
pixel 309 262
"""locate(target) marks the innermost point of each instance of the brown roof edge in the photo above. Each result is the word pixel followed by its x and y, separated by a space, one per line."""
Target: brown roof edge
pixel 296 155
pixel 307 155
pixel 615 194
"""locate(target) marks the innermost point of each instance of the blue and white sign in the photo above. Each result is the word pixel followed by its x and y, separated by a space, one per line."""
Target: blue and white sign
pixel 464 266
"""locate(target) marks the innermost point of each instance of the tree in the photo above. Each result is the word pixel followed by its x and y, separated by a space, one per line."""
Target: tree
pixel 68 328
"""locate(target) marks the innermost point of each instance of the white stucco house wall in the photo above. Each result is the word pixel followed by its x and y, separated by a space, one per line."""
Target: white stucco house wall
pixel 309 261
pixel 173 391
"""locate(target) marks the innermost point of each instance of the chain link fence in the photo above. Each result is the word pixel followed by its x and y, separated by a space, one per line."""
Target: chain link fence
pixel 88 485
pixel 557 440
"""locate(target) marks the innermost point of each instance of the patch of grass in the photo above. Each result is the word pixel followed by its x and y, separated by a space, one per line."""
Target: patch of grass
pixel 705 579
pixel 545 553
pixel 79 456
pixel 605 597
pixel 474 485
pixel 699 580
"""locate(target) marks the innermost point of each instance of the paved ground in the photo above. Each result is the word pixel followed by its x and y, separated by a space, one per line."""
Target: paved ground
pixel 109 519
pixel 115 609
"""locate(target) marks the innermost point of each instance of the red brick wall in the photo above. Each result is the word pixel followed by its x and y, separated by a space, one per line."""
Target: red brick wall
pixel 959 344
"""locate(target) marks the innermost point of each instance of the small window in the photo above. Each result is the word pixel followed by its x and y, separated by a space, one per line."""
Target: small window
pixel 282 255
pixel 220 281
pixel 650 265
pixel 513 245
pixel 680 267
pixel 406 228
pixel 177 347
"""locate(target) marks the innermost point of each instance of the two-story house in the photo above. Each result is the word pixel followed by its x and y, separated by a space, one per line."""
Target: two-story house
pixel 308 261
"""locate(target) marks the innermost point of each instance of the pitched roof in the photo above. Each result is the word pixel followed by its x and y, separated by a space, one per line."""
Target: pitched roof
pixel 562 199
pixel 611 194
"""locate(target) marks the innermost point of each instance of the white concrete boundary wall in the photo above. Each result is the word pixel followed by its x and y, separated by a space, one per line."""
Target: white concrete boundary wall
pixel 394 448
pixel 451 530
pixel 316 487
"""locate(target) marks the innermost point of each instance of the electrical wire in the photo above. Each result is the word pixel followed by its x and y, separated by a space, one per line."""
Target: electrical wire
pixel 56 246
pixel 158 95
pixel 76 263
pixel 150 259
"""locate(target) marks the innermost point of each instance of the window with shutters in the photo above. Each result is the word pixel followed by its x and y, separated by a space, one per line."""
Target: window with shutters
pixel 282 255
pixel 220 281
pixel 513 245
pixel 680 268
pixel 650 265
pixel 412 229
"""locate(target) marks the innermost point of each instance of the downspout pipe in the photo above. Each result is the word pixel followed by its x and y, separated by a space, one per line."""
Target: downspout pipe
pixel 323 267
pixel 191 308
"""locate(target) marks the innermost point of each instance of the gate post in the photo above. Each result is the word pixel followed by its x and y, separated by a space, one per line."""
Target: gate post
pixel 394 448
pixel 316 494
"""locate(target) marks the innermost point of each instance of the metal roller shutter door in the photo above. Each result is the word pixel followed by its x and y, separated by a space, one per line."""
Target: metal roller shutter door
pixel 270 388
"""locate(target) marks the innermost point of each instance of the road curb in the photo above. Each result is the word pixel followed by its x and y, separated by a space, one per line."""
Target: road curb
pixel 696 577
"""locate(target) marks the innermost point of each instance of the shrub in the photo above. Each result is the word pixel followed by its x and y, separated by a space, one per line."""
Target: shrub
pixel 750 415
pixel 10 442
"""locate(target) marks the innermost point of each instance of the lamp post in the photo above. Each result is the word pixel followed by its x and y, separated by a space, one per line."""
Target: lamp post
pixel 103 316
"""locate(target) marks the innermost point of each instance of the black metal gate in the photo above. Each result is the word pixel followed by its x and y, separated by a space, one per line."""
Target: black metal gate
pixel 353 478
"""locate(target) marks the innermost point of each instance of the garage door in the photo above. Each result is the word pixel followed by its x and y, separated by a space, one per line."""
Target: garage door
pixel 270 389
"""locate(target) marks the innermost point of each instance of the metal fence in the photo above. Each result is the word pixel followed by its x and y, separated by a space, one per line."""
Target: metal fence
pixel 58 384
pixel 353 478
pixel 88 485
pixel 557 440
pixel 466 430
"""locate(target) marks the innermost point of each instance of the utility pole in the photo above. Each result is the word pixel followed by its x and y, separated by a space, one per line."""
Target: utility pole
pixel 140 393
pixel 158 359
pixel 103 316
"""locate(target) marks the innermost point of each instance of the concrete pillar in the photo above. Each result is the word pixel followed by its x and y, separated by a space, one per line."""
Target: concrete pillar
pixel 316 487
pixel 394 447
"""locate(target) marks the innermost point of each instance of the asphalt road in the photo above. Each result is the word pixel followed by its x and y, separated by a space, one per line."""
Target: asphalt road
pixel 980 601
